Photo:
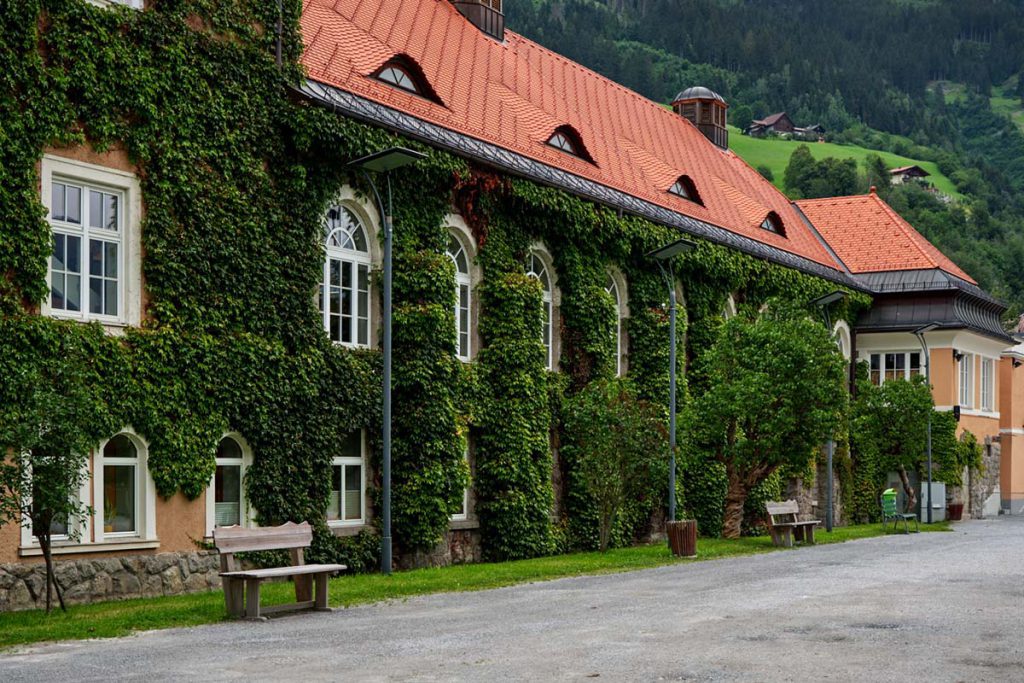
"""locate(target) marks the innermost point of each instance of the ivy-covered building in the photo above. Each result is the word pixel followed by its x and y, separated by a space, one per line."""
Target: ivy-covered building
pixel 189 276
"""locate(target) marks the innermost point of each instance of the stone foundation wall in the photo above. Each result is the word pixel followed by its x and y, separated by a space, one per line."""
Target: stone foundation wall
pixel 23 586
pixel 981 485
pixel 460 546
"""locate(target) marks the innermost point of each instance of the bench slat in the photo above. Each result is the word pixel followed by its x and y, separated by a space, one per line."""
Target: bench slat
pixel 236 539
pixel 277 572
pixel 788 507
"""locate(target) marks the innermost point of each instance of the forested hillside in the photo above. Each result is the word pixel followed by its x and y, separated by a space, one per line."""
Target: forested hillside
pixel 918 78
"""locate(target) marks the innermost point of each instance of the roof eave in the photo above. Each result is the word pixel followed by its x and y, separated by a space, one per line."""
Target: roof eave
pixel 349 104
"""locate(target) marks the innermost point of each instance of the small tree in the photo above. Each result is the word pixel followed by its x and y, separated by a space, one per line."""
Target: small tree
pixel 775 393
pixel 742 116
pixel 53 411
pixel 892 420
pixel 618 447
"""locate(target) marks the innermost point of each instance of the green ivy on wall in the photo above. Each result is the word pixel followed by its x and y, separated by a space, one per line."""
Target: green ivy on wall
pixel 236 172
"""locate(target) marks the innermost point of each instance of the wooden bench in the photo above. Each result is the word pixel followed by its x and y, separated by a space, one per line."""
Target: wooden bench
pixel 242 587
pixel 784 525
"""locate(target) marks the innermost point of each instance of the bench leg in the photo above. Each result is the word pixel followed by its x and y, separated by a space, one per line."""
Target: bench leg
pixel 321 593
pixel 233 596
pixel 809 535
pixel 788 537
pixel 303 588
pixel 252 598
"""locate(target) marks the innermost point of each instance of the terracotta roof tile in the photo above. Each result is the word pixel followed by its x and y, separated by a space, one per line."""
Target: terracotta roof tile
pixel 514 93
pixel 869 236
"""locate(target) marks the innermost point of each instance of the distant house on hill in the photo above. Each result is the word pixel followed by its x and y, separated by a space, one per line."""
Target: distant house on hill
pixel 776 123
pixel 781 124
pixel 905 174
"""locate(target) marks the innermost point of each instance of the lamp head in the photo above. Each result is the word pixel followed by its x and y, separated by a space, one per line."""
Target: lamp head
pixel 387 160
pixel 924 329
pixel 829 299
pixel 669 251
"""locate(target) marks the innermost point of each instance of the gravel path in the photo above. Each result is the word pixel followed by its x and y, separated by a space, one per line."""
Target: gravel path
pixel 924 607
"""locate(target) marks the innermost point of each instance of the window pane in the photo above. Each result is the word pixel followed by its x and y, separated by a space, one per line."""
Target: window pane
pixel 334 504
pixel 876 369
pixel 228 495
pixel 57 291
pixel 353 445
pixel 119 498
pixel 74 254
pixel 120 447
pixel 74 293
pixel 57 202
pixel 110 259
pixel 110 208
pixel 95 257
pixel 353 492
pixel 57 258
pixel 229 449
pixel 110 297
pixel 95 209
pixel 95 295
pixel 73 204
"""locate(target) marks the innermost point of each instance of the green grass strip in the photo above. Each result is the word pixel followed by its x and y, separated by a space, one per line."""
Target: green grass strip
pixel 120 618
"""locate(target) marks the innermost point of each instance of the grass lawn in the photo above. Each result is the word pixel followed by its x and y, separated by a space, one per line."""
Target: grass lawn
pixel 111 619
pixel 1005 101
pixel 775 153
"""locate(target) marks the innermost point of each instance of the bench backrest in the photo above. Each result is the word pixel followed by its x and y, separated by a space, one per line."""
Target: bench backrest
pixel 889 508
pixel 785 511
pixel 236 539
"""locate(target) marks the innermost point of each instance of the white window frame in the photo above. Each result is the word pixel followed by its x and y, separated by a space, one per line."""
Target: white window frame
pixel 464 514
pixel 131 4
pixel 245 462
pixel 462 279
pixel 145 493
pixel 83 525
pixel 126 187
pixel 729 310
pixel 906 363
pixel 966 381
pixel 988 384
pixel 548 298
pixel 616 287
pixel 842 337
pixel 355 259
pixel 342 462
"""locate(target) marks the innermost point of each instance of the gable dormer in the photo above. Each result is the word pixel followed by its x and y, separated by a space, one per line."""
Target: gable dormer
pixel 486 15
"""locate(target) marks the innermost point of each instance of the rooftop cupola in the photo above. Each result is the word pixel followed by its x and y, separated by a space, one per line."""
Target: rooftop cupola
pixel 484 14
pixel 705 109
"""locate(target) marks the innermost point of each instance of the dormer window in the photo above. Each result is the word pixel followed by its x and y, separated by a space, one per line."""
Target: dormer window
pixel 773 223
pixel 397 76
pixel 567 140
pixel 404 73
pixel 685 188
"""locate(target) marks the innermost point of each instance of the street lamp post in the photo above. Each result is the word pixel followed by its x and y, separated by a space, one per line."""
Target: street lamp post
pixel 385 162
pixel 662 256
pixel 919 333
pixel 823 302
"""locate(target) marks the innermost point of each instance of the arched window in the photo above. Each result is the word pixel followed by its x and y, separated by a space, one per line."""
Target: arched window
pixel 402 71
pixel 615 286
pixel 463 294
pixel 230 506
pixel 345 292
pixel 536 269
pixel 120 487
pixel 729 311
pixel 397 76
pixel 684 187
pixel 773 223
pixel 566 139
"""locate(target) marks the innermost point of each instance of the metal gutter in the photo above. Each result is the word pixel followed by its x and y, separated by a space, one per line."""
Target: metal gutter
pixel 365 110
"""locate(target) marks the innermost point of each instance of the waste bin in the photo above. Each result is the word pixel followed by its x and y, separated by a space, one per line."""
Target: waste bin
pixel 682 538
pixel 889 497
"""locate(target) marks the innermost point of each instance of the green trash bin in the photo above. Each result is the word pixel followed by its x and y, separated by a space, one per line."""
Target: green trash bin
pixel 890 511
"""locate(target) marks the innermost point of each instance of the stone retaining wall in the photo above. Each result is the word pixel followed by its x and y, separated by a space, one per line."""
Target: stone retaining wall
pixel 23 586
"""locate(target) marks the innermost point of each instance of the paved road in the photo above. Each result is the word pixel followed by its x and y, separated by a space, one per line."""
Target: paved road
pixel 928 607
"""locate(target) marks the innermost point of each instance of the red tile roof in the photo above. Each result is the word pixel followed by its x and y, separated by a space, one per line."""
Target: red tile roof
pixel 869 237
pixel 514 94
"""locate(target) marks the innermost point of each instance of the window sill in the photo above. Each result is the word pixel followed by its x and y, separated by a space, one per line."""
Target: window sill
pixel 462 524
pixel 81 548
pixel 348 529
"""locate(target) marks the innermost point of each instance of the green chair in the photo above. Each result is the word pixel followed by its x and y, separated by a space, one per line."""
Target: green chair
pixel 890 512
